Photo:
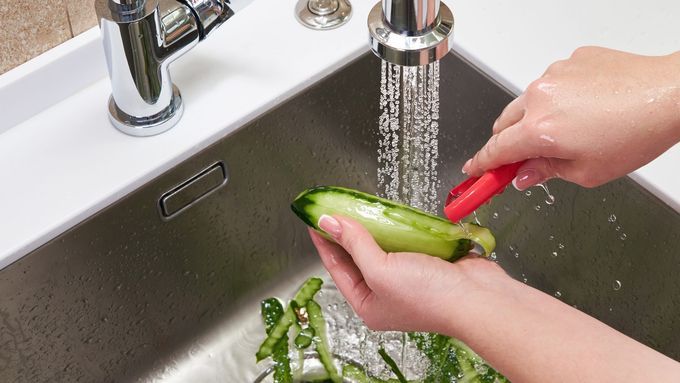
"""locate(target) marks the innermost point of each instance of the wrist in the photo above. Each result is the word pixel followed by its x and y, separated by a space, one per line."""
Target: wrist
pixel 480 301
pixel 673 83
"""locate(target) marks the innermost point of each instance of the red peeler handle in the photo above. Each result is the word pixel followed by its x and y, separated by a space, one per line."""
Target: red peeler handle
pixel 476 191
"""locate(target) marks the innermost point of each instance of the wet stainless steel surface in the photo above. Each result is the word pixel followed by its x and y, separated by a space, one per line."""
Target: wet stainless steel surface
pixel 127 296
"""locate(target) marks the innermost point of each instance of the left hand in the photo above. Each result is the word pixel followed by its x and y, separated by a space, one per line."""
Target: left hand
pixel 402 291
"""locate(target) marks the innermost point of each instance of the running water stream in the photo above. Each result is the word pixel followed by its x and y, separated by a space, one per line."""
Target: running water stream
pixel 409 128
pixel 407 172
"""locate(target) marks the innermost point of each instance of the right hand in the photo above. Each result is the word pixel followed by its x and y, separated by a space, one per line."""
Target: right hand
pixel 594 117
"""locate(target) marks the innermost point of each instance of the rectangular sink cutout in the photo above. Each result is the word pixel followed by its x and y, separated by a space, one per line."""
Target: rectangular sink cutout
pixel 192 190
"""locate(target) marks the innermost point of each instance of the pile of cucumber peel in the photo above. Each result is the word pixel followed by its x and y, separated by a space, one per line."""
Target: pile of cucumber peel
pixel 396 228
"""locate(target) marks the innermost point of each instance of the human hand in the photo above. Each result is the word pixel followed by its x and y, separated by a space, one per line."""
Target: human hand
pixel 402 291
pixel 473 300
pixel 589 119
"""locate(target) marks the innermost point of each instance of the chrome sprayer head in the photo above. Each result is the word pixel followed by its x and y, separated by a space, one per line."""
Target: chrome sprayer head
pixel 410 32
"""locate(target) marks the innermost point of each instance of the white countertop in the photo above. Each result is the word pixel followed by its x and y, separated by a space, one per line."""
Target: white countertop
pixel 67 162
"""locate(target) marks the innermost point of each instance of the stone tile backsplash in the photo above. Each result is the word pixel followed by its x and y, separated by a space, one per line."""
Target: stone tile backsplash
pixel 29 28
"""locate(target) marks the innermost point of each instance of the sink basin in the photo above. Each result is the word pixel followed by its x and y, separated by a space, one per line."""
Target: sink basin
pixel 131 295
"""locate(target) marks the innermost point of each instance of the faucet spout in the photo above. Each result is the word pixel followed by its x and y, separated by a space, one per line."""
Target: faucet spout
pixel 141 38
pixel 410 32
pixel 410 16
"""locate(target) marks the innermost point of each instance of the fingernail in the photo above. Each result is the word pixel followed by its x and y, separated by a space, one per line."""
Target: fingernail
pixel 466 167
pixel 525 179
pixel 330 225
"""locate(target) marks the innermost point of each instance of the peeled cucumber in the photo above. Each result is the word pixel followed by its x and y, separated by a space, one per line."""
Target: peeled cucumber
pixel 395 227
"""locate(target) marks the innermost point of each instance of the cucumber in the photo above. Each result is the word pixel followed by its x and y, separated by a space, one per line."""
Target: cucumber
pixel 395 227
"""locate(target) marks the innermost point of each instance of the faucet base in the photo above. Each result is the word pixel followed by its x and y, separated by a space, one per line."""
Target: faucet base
pixel 147 125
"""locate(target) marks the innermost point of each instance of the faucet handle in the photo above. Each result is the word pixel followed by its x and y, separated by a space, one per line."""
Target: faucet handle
pixel 209 13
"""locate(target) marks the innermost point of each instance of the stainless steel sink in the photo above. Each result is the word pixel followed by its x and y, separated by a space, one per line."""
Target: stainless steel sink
pixel 129 295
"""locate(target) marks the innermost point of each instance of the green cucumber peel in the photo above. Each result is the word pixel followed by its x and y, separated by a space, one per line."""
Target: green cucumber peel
pixel 304 338
pixel 358 375
pixel 392 365
pixel 280 329
pixel 395 227
pixel 272 311
pixel 318 323
pixel 451 357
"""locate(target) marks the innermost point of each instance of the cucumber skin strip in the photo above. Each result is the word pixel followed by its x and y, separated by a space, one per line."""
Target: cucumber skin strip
pixel 392 365
pixel 272 311
pixel 304 295
pixel 318 323
pixel 357 375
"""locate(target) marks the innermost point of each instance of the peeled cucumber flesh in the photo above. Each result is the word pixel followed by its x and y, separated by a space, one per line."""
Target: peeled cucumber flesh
pixel 395 227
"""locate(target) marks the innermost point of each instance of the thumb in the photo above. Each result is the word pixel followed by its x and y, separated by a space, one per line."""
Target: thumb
pixel 355 239
pixel 535 171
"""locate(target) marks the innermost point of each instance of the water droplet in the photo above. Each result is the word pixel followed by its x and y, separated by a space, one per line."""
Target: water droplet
pixel 618 228
pixel 474 214
pixel 554 254
pixel 561 246
pixel 537 207
pixel 558 294
pixel 527 193
pixel 617 285
pixel 492 256
pixel 612 218
pixel 623 236
pixel 495 215
pixel 551 238
pixel 550 199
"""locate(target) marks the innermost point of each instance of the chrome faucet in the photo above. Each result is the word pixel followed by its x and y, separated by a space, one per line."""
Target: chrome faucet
pixel 141 38
pixel 410 32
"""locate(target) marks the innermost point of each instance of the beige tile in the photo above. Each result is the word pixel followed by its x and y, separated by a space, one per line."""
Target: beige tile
pixel 29 28
pixel 81 15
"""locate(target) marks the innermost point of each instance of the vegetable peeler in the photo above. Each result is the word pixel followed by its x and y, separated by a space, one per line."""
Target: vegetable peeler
pixel 476 191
